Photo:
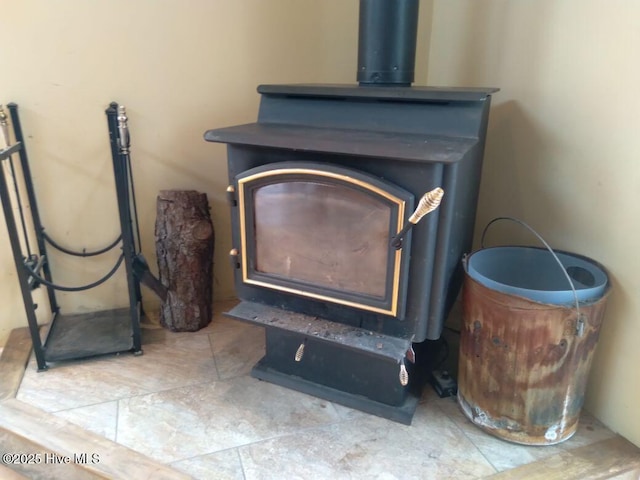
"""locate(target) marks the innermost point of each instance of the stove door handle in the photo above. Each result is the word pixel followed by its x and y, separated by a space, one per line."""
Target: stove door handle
pixel 427 204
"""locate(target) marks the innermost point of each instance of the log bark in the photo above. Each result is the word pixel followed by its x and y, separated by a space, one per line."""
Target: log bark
pixel 184 238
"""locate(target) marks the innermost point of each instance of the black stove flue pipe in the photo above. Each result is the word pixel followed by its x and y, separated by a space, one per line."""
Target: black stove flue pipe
pixel 387 42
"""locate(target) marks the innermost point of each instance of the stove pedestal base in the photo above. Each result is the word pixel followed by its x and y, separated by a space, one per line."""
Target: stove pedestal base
pixel 340 363
pixel 402 413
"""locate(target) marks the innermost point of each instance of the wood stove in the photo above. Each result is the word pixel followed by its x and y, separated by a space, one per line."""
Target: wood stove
pixel 318 187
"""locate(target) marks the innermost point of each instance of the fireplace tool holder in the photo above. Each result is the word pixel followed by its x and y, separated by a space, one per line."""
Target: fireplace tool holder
pixel 75 336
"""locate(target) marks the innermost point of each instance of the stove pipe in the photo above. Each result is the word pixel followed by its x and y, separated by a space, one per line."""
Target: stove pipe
pixel 387 42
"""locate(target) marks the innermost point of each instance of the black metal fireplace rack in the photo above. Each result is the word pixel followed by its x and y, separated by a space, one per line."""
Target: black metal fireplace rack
pixel 79 335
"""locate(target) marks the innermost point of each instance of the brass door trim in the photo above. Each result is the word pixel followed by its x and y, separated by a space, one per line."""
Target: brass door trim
pixel 401 204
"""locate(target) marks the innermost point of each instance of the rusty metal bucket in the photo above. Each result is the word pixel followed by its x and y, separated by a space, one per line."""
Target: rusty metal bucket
pixel 524 365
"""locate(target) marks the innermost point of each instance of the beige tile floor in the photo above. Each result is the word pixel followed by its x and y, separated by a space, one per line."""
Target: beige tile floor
pixel 190 402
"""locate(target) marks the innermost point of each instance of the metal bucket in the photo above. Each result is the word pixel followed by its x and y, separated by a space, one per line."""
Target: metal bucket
pixel 524 365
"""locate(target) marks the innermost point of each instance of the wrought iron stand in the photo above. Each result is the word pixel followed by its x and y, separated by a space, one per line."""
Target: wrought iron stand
pixel 79 335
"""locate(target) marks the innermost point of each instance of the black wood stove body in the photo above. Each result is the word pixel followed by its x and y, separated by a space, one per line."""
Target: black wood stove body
pixel 318 187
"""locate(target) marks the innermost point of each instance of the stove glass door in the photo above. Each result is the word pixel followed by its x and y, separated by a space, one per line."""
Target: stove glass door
pixel 323 233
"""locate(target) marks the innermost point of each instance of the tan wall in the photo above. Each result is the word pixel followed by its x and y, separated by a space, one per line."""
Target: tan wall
pixel 563 148
pixel 180 68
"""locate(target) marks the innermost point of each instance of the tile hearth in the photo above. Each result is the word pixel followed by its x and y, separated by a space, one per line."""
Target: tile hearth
pixel 189 402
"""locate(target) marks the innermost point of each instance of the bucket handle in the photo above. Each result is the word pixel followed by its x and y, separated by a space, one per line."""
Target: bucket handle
pixel 580 318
